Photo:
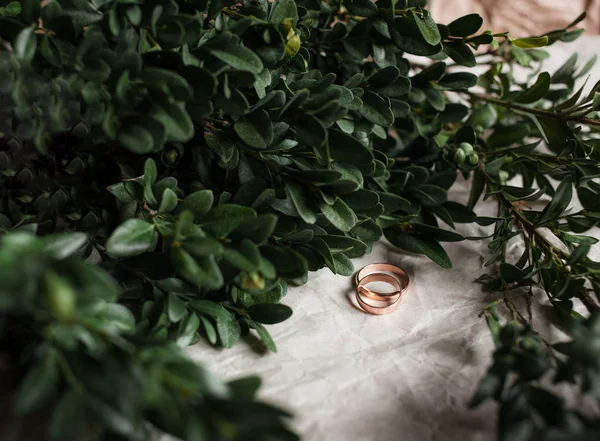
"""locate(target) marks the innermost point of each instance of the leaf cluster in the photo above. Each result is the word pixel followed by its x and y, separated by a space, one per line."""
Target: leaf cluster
pixel 168 168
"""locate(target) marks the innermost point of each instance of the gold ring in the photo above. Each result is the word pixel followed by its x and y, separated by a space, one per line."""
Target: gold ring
pixel 390 299
pixel 382 268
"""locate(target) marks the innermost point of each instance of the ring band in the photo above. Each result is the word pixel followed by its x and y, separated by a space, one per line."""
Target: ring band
pixel 380 268
pixel 380 277
pixel 391 299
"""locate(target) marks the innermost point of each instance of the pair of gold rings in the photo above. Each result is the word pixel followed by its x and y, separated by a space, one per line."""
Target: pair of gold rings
pixel 380 272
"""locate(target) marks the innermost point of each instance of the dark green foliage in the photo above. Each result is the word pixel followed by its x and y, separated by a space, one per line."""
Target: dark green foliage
pixel 168 167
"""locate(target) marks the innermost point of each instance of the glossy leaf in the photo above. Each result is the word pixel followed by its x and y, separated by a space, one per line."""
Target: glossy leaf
pixel 537 91
pixel 132 237
pixel 269 313
pixel 530 42
pixel 416 243
pixel 339 214
pixel 466 25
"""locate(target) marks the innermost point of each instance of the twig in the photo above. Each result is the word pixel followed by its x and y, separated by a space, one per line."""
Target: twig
pixel 541 112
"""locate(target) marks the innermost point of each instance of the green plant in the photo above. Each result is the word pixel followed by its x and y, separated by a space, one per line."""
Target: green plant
pixel 168 167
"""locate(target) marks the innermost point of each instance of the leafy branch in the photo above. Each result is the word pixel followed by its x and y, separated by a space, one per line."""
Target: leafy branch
pixel 565 117
pixel 168 168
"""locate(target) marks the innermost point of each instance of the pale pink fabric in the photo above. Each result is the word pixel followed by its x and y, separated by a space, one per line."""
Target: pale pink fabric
pixel 521 17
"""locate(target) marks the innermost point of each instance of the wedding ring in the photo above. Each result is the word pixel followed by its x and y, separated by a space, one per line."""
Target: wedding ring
pixel 382 268
pixel 390 300
pixel 380 277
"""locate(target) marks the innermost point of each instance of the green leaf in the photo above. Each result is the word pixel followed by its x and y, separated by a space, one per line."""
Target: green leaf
pixel 466 25
pixel 419 244
pixel 109 416
pixel 187 330
pixel 258 229
pixel 166 79
pixel 235 54
pixel 288 263
pixel 229 331
pixel 362 8
pixel 269 313
pixel 209 329
pixel 150 173
pixel 343 244
pixel 589 199
pixel 223 219
pixel 460 53
pixel 430 73
pixel 132 237
pixel 579 254
pixel 136 139
pixel 310 131
pixel 39 383
pixel 272 295
pixel 407 36
pixel 84 14
pixel 519 193
pixel 348 149
pixel 427 27
pixel 343 265
pixel 339 214
pixel 458 80
pixel 556 133
pixel 399 88
pixel 508 135
pixel 68 415
pixel 435 97
pixel 484 116
pixel 367 231
pixel 530 42
pixel 535 92
pixel 25 45
pixel 459 213
pixel 176 308
pixel 283 9
pixel 202 272
pixel 168 201
pixel 572 35
pixel 301 200
pixel 210 308
pixel 376 109
pixel 264 336
pixel 175 119
pixel 559 203
pixel 203 246
pixel 564 74
pixel 437 233
pixel 384 77
pixel 487 388
pixel 63 245
pixel 50 51
pixel 14 8
pixel 238 260
pixel 199 203
pixel 255 129
pixel 245 388
pixel 511 273
pixel 322 248
pixel 430 195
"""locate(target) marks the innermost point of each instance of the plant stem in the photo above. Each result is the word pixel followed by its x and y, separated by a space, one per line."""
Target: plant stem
pixel 534 111
pixel 539 239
